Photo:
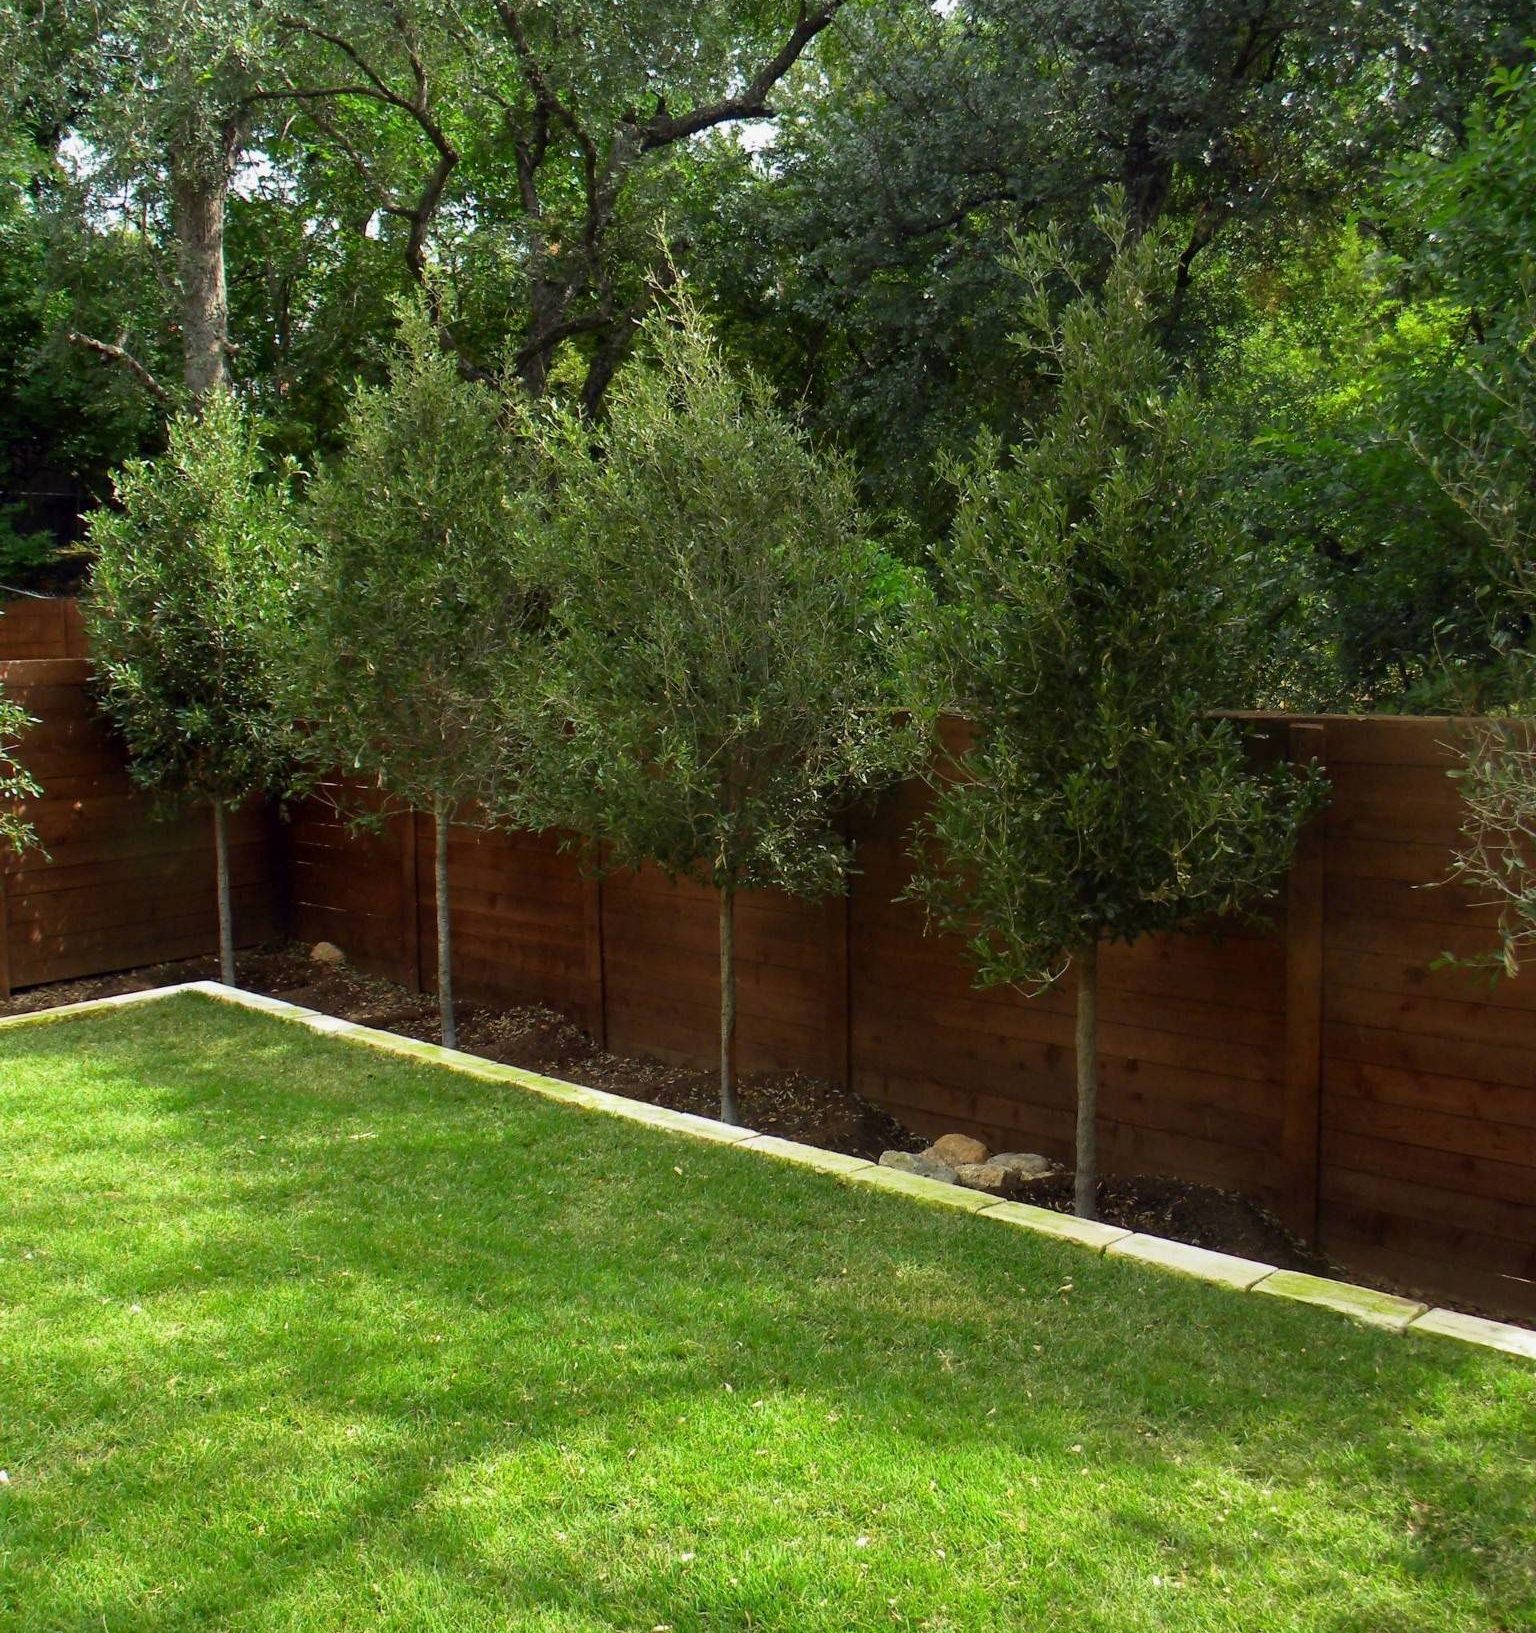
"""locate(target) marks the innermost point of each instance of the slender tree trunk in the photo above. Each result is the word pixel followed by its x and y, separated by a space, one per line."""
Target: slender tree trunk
pixel 226 911
pixel 728 1111
pixel 198 194
pixel 442 814
pixel 1085 1196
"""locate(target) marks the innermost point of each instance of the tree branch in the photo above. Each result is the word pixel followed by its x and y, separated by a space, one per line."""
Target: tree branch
pixel 1206 223
pixel 664 128
pixel 116 354
pixel 381 90
pixel 619 341
pixel 421 214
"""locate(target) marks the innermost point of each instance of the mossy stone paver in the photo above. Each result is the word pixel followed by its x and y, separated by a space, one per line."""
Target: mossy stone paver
pixel 1226 1269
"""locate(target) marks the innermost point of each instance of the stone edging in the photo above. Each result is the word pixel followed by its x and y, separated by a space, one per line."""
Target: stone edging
pixel 1224 1269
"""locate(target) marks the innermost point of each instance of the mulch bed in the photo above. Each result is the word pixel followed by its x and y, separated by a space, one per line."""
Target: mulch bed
pixel 789 1104
pixel 1198 1214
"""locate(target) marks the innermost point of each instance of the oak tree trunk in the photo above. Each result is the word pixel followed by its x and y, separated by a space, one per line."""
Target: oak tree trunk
pixel 1085 1197
pixel 198 196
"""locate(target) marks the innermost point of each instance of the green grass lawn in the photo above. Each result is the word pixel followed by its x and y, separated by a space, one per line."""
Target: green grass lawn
pixel 297 1335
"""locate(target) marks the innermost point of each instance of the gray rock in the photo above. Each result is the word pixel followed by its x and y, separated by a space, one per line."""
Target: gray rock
pixel 327 952
pixel 953 1149
pixel 1023 1165
pixel 983 1176
pixel 918 1162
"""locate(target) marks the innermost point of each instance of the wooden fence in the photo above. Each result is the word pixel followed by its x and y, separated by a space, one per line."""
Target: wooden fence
pixel 1386 1108
pixel 1383 1107
pixel 111 887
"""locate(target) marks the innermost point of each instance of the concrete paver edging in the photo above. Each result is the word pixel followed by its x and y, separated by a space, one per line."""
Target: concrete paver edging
pixel 1225 1269
pixel 1361 1304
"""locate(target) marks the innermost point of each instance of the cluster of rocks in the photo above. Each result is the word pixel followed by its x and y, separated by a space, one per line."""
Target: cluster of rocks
pixel 957 1159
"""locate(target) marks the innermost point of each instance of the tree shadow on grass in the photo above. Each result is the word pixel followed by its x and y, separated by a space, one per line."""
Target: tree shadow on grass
pixel 417 1350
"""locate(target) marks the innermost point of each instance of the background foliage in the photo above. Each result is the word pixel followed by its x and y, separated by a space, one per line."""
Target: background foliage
pixel 1343 188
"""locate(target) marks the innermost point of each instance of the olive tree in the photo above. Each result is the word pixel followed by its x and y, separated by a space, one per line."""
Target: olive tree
pixel 189 609
pixel 415 608
pixel 722 678
pixel 1090 618
pixel 16 784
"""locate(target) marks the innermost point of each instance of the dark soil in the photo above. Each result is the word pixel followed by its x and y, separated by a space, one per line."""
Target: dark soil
pixel 784 1103
pixel 1198 1214
pixel 531 1036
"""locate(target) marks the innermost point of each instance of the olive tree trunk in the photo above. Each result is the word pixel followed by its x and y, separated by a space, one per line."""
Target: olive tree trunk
pixel 442 816
pixel 199 192
pixel 1085 1194
pixel 226 910
pixel 728 1111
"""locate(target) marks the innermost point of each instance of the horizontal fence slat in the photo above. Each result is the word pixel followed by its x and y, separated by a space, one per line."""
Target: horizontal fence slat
pixel 1496 1103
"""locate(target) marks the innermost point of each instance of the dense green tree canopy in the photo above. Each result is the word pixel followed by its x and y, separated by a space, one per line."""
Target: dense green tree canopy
pixel 1248 127
pixel 65 421
pixel 203 189
pixel 1388 386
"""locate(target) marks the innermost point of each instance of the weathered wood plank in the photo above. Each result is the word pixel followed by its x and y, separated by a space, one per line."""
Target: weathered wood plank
pixel 1496 1103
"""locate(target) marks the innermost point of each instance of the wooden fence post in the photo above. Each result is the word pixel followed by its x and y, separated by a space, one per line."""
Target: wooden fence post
pixel 1301 1119
pixel 410 904
pixel 279 872
pixel 75 642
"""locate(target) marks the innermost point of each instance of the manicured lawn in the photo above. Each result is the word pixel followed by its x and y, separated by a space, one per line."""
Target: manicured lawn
pixel 296 1335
